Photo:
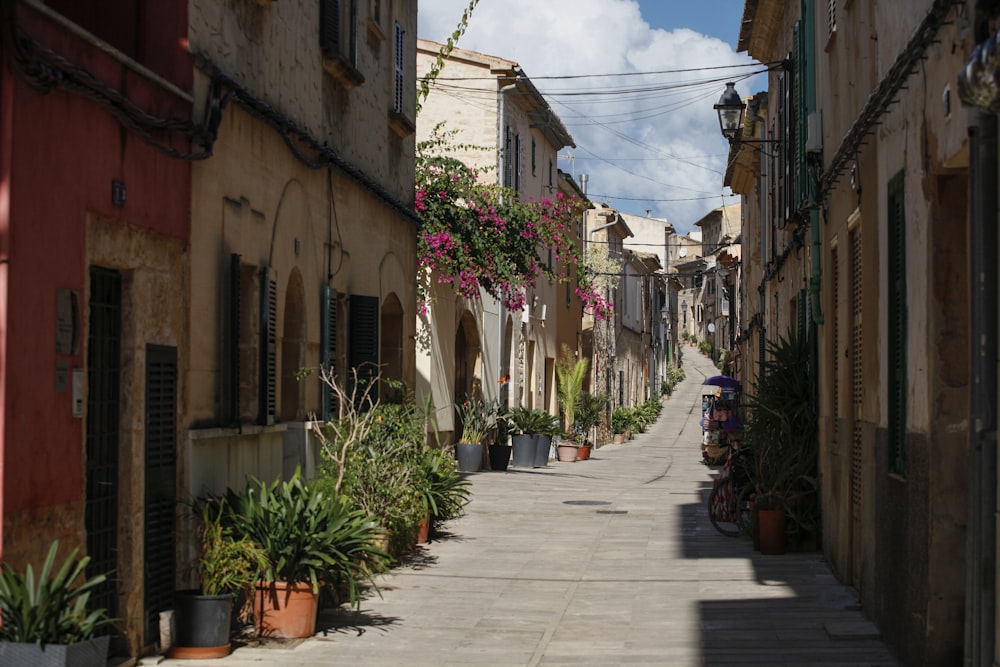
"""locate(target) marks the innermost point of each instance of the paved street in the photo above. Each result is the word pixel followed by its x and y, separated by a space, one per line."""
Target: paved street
pixel 610 561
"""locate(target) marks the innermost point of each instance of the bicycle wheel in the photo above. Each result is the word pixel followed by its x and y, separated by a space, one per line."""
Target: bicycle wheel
pixel 722 509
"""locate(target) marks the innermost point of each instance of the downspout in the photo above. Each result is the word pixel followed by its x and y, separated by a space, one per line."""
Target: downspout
pixel 982 531
pixel 6 158
pixel 501 309
pixel 978 92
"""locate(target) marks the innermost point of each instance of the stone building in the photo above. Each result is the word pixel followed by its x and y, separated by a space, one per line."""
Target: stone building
pixel 477 346
pixel 855 171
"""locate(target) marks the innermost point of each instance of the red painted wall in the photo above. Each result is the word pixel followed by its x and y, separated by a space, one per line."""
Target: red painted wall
pixel 65 151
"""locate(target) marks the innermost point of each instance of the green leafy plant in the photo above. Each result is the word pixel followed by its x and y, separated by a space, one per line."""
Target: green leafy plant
pixel 444 491
pixel 589 408
pixel 781 431
pixel 621 419
pixel 226 564
pixel 308 535
pixel 570 375
pixel 478 418
pixel 52 608
pixel 526 420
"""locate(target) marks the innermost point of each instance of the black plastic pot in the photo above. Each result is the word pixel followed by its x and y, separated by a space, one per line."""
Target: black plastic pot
pixel 499 457
pixel 202 621
pixel 543 446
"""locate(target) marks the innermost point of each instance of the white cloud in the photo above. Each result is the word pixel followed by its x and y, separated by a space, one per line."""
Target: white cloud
pixel 636 147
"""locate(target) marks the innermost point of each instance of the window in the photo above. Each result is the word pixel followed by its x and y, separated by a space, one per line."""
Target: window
pixel 398 71
pixel 249 385
pixel 550 172
pixel 328 350
pixel 363 344
pixel 268 404
pixel 338 40
pixel 517 165
pixel 896 275
pixel 533 157
pixel 508 172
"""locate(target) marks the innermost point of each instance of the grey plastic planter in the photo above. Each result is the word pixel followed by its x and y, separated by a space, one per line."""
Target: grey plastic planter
pixel 91 653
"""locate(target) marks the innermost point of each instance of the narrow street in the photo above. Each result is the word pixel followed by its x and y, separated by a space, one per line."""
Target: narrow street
pixel 610 561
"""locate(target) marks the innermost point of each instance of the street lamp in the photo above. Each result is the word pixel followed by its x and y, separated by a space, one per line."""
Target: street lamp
pixel 730 109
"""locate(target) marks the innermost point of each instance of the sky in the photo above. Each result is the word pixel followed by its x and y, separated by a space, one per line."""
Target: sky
pixel 646 134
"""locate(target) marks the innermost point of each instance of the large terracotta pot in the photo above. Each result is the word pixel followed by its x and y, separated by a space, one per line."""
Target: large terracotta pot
pixel 771 525
pixel 583 453
pixel 285 610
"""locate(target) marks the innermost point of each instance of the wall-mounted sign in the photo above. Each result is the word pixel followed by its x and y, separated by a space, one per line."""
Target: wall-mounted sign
pixel 67 321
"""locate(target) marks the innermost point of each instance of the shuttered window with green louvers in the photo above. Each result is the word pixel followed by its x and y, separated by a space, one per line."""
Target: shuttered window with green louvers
pixel 268 345
pixel 328 350
pixel 363 346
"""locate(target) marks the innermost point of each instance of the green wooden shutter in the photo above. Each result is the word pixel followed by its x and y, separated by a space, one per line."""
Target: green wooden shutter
pixel 897 380
pixel 328 349
pixel 268 346
pixel 363 344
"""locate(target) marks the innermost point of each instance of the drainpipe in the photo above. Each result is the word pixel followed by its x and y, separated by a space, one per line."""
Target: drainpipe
pixel 982 531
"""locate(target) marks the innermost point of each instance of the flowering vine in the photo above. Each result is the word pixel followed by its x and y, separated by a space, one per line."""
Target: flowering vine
pixel 476 235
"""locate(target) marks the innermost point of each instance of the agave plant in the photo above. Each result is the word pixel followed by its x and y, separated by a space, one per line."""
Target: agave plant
pixel 52 608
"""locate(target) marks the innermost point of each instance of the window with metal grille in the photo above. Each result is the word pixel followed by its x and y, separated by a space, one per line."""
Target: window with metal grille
pixel 268 346
pixel 103 383
pixel 533 156
pixel 897 357
pixel 831 17
pixel 398 71
pixel 330 27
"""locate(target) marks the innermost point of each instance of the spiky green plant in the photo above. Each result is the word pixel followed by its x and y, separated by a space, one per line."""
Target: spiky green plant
pixel 52 608
pixel 570 374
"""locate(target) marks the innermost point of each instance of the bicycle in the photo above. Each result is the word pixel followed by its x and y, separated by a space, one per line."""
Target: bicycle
pixel 730 499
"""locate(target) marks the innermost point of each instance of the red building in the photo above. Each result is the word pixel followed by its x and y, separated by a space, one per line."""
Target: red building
pixel 95 151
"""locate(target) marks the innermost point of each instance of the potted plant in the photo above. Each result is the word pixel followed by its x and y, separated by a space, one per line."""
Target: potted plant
pixel 524 426
pixel 570 374
pixel 499 449
pixel 227 567
pixel 311 538
pixel 46 622
pixel 444 491
pixel 620 418
pixel 588 415
pixel 781 431
pixel 478 419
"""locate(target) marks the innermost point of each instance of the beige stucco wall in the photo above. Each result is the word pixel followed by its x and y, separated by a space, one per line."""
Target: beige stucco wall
pixel 474 114
pixel 311 226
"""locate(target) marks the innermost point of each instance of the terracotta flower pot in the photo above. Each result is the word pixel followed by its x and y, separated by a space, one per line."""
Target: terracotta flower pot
pixel 772 531
pixel 583 453
pixel 285 610
pixel 567 453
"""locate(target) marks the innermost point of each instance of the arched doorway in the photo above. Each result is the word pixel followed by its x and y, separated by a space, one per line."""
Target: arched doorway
pixel 468 380
pixel 293 349
pixel 391 348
